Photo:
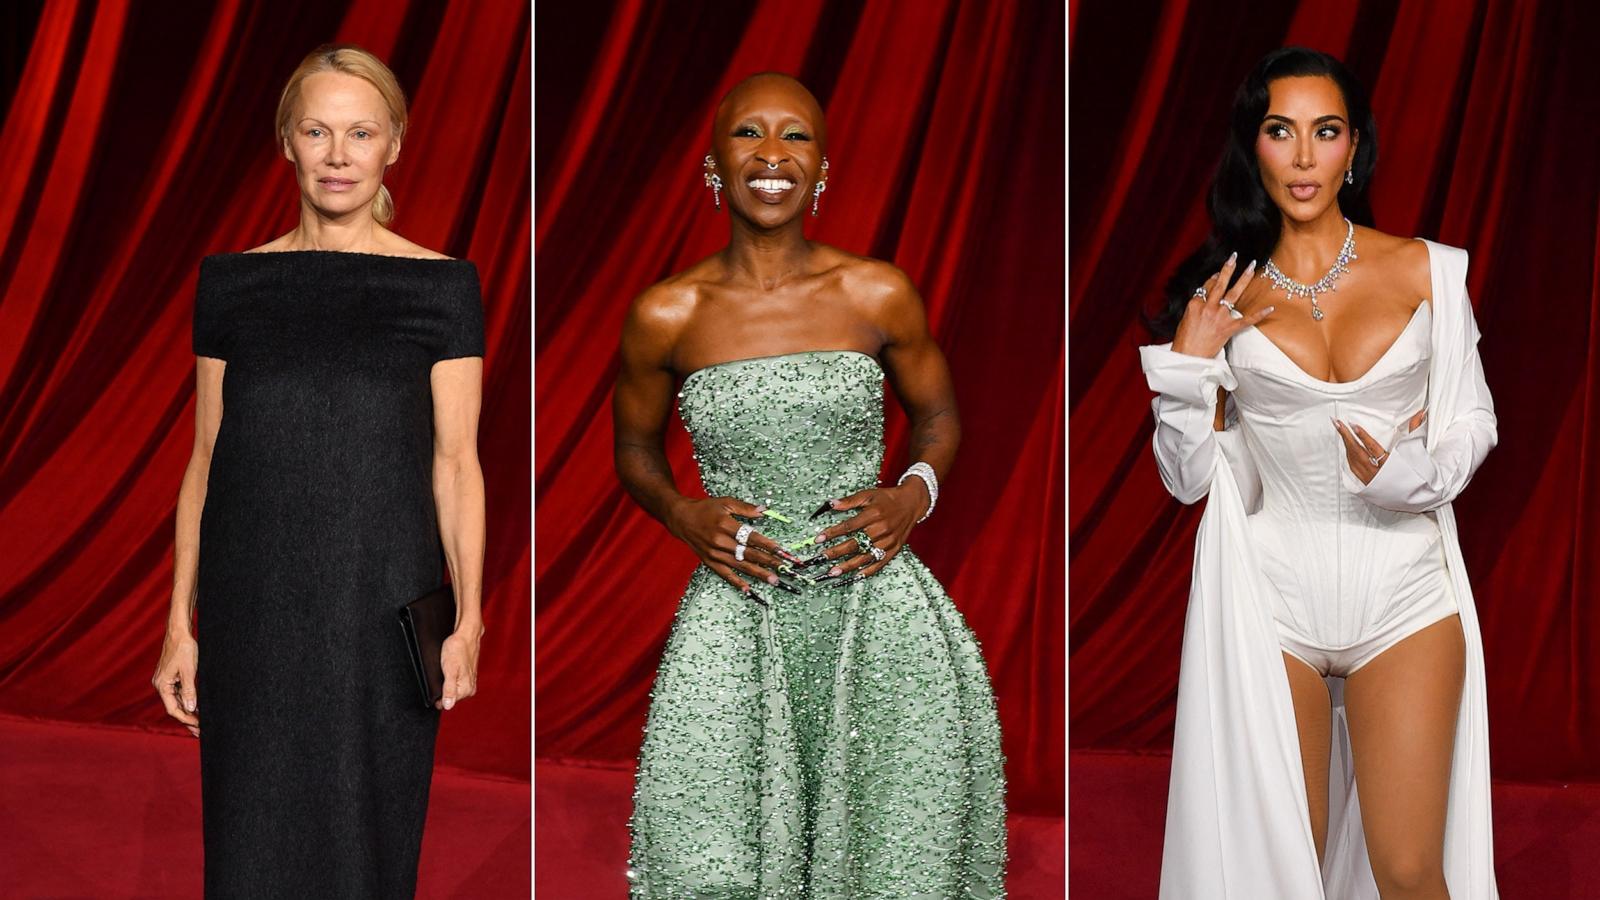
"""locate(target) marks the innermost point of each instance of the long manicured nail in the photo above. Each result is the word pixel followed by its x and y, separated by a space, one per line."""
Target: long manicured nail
pixel 1232 257
pixel 754 596
pixel 760 509
pixel 784 587
pixel 774 514
pixel 1250 268
pixel 822 509
pixel 449 702
pixel 835 572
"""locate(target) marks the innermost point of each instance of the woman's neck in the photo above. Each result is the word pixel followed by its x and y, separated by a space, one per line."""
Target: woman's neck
pixel 767 259
pixel 316 232
pixel 1305 250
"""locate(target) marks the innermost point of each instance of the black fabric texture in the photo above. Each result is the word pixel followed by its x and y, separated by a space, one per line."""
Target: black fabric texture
pixel 319 524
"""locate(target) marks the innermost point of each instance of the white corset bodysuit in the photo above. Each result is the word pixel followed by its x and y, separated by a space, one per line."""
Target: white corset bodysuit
pixel 1350 579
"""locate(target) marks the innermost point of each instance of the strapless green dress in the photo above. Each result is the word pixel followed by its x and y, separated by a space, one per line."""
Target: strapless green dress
pixel 836 744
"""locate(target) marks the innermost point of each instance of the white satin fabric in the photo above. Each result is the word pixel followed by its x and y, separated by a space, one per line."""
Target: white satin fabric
pixel 1348 579
pixel 1237 822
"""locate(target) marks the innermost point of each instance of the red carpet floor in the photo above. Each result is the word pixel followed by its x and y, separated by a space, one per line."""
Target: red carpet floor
pixel 109 813
pixel 1546 836
pixel 581 839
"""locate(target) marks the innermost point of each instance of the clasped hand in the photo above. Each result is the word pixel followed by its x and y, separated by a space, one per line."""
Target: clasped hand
pixel 884 515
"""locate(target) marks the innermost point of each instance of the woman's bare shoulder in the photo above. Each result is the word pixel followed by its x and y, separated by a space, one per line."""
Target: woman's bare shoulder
pixel 395 245
pixel 1401 261
pixel 276 245
pixel 864 278
pixel 392 245
pixel 660 312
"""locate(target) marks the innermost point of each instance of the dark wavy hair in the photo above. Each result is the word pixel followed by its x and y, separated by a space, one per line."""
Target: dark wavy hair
pixel 1243 217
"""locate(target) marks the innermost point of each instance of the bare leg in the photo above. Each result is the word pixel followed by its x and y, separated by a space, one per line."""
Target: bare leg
pixel 1312 719
pixel 1402 710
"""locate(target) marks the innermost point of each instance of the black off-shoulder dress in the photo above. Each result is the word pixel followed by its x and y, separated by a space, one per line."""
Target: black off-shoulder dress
pixel 319 523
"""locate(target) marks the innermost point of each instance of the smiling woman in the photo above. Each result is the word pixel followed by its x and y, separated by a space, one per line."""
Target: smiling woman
pixel 335 484
pixel 822 724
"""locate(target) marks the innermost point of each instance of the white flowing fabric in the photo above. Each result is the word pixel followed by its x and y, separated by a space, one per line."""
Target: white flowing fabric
pixel 1238 826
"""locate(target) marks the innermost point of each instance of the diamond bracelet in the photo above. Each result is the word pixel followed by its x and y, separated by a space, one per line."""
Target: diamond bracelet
pixel 925 472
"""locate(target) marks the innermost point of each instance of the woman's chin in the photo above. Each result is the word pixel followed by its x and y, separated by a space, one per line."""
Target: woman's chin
pixel 765 216
pixel 339 207
pixel 1302 213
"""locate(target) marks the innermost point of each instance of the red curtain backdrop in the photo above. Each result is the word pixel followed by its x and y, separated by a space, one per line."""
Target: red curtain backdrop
pixel 138 138
pixel 946 157
pixel 1488 116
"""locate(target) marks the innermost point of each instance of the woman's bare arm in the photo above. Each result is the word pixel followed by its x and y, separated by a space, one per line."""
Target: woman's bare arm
pixel 641 403
pixel 174 680
pixel 916 369
pixel 192 493
pixel 640 406
pixel 457 386
pixel 458 483
pixel 921 379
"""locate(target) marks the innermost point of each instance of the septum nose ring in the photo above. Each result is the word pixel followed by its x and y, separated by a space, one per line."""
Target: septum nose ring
pixel 772 165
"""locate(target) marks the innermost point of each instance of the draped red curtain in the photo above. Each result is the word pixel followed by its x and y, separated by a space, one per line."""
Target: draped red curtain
pixel 137 138
pixel 945 157
pixel 1488 118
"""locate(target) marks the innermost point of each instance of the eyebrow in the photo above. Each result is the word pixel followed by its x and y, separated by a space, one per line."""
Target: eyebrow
pixel 1317 121
pixel 320 122
pixel 752 122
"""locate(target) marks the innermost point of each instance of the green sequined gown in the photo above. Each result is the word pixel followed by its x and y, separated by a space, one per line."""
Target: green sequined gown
pixel 840 743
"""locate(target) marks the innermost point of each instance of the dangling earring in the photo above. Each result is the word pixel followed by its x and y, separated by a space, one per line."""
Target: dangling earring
pixel 714 181
pixel 1349 176
pixel 816 192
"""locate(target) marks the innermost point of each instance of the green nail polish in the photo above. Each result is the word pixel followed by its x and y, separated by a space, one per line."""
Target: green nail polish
pixel 779 516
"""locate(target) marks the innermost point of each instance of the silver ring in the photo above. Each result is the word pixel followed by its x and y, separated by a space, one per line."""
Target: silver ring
pixel 1226 304
pixel 877 553
pixel 742 536
pixel 738 552
pixel 1378 460
pixel 1200 292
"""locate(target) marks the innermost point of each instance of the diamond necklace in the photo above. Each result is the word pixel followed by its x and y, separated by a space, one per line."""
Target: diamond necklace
pixel 1341 265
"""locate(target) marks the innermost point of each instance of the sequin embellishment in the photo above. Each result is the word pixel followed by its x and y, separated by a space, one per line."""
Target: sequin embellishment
pixel 841 742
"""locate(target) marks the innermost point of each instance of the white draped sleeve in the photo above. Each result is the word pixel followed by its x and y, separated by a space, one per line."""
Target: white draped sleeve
pixel 1186 444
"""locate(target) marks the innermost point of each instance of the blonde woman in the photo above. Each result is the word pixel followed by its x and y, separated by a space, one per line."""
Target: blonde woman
pixel 333 477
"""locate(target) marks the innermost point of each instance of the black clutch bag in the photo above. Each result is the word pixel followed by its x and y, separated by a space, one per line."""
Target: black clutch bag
pixel 427 621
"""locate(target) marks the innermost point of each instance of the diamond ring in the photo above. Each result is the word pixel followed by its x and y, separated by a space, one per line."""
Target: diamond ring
pixel 1200 292
pixel 877 553
pixel 742 536
pixel 738 552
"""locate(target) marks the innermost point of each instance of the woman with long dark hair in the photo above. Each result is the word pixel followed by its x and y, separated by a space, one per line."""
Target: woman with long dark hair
pixel 1323 390
pixel 822 723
